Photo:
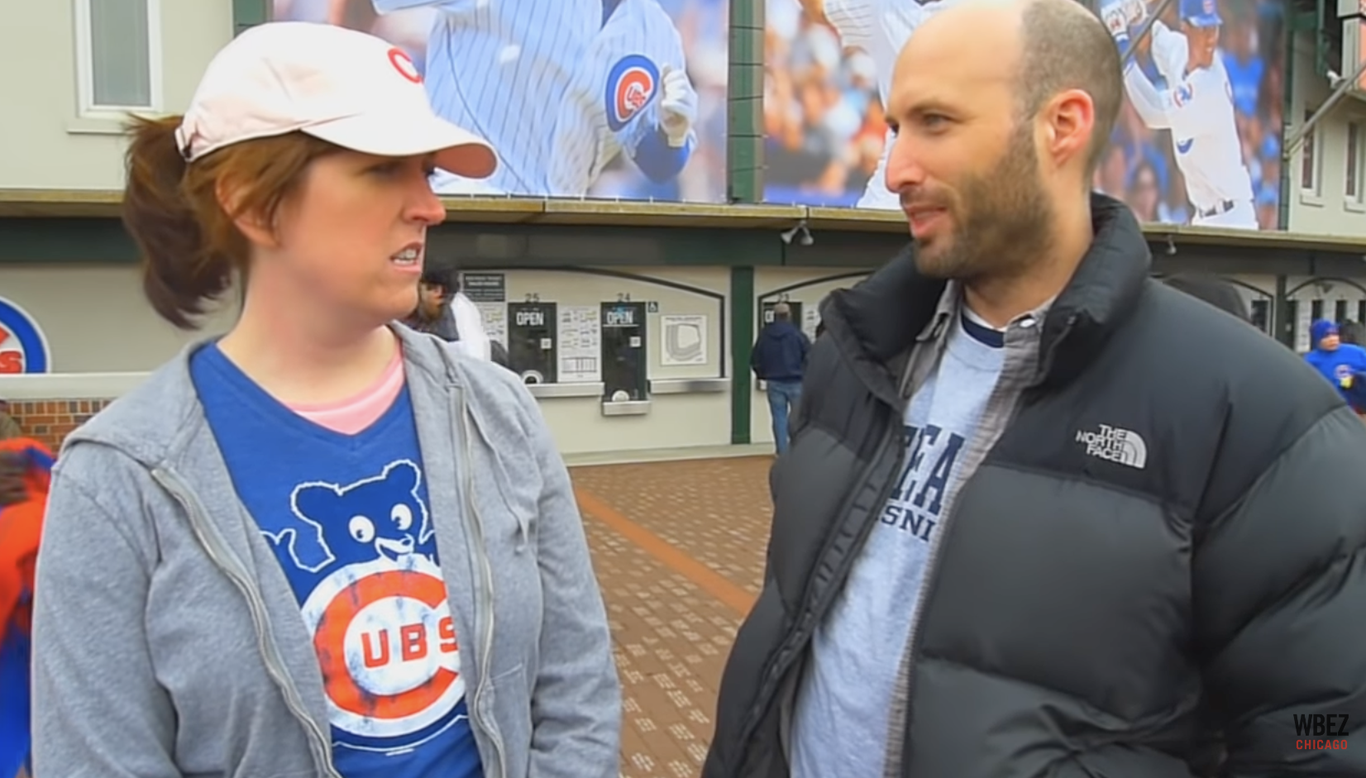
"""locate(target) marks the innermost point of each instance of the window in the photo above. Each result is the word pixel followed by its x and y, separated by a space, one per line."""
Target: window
pixel 1309 161
pixel 118 55
pixel 1261 315
pixel 1340 311
pixel 1354 159
pixel 1315 310
pixel 1361 310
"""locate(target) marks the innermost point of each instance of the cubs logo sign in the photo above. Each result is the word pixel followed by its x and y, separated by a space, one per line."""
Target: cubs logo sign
pixel 631 85
pixel 23 347
pixel 376 607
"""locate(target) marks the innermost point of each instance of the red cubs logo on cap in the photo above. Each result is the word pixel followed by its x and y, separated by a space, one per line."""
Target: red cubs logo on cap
pixel 404 65
pixel 631 84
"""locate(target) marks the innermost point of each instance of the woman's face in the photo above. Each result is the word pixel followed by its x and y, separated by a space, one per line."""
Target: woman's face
pixel 352 239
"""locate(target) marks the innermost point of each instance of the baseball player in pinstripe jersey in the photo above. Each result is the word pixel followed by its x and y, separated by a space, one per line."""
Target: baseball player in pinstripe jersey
pixel 632 95
pixel 1195 105
pixel 880 28
pixel 497 66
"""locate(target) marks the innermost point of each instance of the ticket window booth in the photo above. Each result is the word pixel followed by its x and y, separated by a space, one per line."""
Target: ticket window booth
pixel 766 318
pixel 625 367
pixel 531 341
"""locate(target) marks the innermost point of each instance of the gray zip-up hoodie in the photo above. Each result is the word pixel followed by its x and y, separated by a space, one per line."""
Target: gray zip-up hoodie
pixel 167 641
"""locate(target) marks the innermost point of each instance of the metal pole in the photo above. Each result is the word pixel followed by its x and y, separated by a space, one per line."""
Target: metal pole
pixel 1295 139
pixel 1144 31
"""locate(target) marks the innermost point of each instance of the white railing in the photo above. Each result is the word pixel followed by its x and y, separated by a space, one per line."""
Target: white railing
pixel 67 386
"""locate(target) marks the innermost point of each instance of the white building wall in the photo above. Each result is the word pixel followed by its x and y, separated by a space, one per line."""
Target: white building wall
pixel 64 62
pixel 1327 194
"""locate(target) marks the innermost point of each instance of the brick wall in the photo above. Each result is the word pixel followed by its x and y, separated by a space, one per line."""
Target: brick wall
pixel 52 420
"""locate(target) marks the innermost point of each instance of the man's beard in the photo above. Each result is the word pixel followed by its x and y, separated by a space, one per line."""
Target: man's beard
pixel 1001 220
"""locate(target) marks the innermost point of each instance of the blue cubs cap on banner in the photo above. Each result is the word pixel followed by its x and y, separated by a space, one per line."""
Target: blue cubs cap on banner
pixel 1201 13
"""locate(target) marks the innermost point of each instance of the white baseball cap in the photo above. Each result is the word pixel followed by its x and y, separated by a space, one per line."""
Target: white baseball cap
pixel 342 86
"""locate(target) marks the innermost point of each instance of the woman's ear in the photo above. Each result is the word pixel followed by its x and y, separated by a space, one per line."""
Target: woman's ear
pixel 252 224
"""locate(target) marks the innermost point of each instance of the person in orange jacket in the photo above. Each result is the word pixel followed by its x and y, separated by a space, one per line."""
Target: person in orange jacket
pixel 25 472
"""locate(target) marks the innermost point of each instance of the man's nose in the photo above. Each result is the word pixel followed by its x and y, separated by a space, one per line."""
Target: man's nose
pixel 904 169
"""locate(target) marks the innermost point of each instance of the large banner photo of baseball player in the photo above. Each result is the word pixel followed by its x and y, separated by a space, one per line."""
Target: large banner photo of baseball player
pixel 621 99
pixel 1198 140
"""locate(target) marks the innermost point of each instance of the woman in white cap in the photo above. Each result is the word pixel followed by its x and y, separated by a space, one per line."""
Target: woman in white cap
pixel 321 545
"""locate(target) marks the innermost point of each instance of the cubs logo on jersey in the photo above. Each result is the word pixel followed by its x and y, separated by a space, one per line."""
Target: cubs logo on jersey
pixel 631 84
pixel 1182 94
pixel 377 611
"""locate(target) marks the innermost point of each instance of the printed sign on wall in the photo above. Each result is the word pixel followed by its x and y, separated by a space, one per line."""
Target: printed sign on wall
pixel 683 340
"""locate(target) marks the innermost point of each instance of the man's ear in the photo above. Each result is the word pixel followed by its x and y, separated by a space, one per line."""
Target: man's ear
pixel 1070 120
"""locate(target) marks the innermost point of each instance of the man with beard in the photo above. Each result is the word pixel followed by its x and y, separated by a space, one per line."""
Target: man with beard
pixel 1043 515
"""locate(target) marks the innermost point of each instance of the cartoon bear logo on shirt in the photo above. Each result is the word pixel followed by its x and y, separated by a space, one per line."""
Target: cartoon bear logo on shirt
pixel 375 518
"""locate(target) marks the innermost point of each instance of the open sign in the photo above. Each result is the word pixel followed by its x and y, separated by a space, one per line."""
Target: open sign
pixel 23 346
pixel 620 317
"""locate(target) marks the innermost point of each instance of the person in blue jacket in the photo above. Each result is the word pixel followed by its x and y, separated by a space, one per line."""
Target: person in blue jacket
pixel 1343 364
pixel 779 360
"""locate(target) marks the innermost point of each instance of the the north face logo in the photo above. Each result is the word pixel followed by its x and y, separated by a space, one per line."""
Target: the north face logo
pixel 1116 445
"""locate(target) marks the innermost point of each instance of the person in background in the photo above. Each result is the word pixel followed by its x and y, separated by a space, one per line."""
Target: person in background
pixel 25 471
pixel 1342 364
pixel 779 360
pixel 1350 332
pixel 321 544
pixel 9 427
pixel 444 311
pixel 1213 290
pixel 433 313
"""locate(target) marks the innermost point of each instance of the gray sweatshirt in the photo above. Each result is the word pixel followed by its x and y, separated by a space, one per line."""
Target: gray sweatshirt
pixel 167 641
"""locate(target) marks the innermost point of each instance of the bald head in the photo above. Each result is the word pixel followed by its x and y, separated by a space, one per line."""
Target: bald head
pixel 1044 47
pixel 1067 47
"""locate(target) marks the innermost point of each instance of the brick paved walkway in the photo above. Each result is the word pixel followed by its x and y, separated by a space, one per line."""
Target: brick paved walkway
pixel 678 548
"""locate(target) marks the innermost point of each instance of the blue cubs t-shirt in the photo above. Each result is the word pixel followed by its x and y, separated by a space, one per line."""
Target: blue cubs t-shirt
pixel 347 517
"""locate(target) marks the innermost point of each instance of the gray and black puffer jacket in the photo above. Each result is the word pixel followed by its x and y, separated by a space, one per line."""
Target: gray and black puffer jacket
pixel 1086 617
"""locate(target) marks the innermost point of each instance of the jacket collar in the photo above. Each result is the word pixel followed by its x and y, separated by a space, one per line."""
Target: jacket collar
pixel 881 318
